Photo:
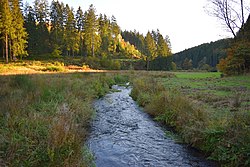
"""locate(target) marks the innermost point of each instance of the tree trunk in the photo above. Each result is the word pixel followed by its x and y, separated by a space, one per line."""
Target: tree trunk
pixel 6 48
pixel 242 14
pixel 3 50
pixel 147 64
pixel 242 19
pixel 10 53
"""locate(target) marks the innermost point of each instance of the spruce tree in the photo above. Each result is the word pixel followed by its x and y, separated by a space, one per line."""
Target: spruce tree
pixel 6 27
pixel 71 35
pixel 30 26
pixel 19 34
pixel 79 19
pixel 114 27
pixel 41 10
pixel 92 39
pixel 105 33
pixel 162 47
pixel 42 22
pixel 79 25
pixel 150 48
pixel 57 18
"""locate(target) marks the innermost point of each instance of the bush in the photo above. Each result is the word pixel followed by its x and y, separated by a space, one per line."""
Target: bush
pixel 57 53
pixel 103 63
pixel 53 68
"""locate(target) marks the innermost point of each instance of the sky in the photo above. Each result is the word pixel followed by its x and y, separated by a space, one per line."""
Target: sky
pixel 184 21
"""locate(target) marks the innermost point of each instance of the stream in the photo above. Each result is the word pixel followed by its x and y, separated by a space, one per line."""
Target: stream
pixel 123 136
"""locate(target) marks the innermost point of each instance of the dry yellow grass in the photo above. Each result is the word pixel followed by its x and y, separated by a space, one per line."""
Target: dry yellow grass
pixel 37 67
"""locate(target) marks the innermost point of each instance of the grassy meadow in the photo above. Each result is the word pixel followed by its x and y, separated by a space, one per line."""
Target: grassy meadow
pixel 45 117
pixel 46 110
pixel 208 112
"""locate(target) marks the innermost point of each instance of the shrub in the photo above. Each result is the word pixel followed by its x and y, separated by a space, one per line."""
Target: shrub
pixel 53 68
pixel 57 53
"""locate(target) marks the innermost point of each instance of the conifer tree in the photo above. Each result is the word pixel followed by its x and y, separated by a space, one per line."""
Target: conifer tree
pixel 150 48
pixel 79 25
pixel 41 10
pixel 162 47
pixel 115 31
pixel 114 27
pixel 105 33
pixel 42 22
pixel 71 35
pixel 167 39
pixel 30 26
pixel 6 26
pixel 19 34
pixel 79 19
pixel 91 38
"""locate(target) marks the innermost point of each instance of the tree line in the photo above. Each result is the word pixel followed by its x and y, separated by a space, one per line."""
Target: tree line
pixel 57 29
pixel 204 57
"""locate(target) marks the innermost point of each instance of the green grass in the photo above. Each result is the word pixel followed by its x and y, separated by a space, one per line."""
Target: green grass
pixel 44 119
pixel 208 112
pixel 197 75
pixel 210 88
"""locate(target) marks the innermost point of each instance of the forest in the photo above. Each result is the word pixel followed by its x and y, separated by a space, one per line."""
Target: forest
pixel 57 30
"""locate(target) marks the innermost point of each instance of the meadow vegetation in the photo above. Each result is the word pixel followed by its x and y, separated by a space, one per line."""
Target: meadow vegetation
pixel 44 118
pixel 208 112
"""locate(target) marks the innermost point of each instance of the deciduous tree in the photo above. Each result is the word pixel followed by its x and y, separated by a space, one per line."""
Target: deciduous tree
pixel 230 12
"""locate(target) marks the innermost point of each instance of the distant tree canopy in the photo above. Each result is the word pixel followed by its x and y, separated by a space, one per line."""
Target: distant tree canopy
pixel 153 47
pixel 202 56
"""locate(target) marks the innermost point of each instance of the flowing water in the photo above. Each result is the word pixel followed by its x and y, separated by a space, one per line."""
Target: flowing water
pixel 123 135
